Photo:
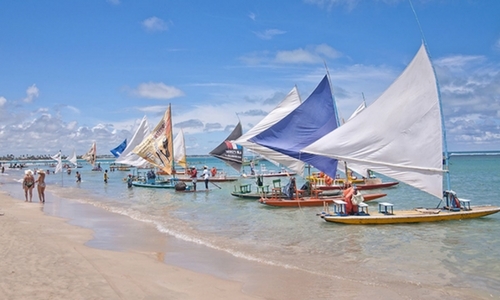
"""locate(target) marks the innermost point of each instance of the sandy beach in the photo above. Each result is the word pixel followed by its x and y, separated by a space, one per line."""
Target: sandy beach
pixel 97 254
pixel 44 257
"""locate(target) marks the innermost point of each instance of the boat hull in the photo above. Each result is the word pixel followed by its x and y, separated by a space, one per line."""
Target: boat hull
pixel 212 179
pixel 413 216
pixel 277 174
pixel 301 202
pixel 360 186
pixel 257 196
pixel 157 185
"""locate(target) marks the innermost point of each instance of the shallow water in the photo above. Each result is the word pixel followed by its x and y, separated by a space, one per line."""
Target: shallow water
pixel 454 254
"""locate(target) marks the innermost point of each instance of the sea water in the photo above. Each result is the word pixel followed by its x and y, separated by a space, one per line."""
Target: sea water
pixel 450 254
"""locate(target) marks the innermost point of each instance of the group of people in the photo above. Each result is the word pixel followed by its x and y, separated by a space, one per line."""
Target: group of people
pixel 206 175
pixel 29 183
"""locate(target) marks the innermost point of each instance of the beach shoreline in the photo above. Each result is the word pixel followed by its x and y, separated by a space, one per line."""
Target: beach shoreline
pixel 45 257
pixel 85 252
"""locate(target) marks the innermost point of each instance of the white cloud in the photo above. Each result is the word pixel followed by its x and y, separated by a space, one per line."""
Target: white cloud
pixel 114 2
pixel 313 54
pixel 458 62
pixel 155 24
pixel 31 93
pixel 252 16
pixel 269 33
pixel 310 55
pixel 158 90
pixel 2 101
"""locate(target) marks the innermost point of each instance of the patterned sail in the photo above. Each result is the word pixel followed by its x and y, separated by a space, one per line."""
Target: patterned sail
pixel 230 152
pixel 91 155
pixel 157 147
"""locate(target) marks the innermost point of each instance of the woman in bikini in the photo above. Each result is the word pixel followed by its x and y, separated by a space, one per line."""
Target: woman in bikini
pixel 28 184
pixel 41 185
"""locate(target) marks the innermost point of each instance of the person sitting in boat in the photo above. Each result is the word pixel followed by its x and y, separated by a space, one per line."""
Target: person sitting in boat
pixel 213 171
pixel 194 176
pixel 348 193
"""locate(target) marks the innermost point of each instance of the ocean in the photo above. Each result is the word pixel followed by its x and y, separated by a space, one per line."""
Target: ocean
pixel 450 255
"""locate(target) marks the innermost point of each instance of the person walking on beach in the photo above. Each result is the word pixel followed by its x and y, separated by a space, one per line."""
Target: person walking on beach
pixel 105 176
pixel 78 177
pixel 194 176
pixel 41 185
pixel 28 184
pixel 206 176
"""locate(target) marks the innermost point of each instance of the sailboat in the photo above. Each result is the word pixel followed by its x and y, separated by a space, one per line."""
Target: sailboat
pixel 308 122
pixel 128 157
pixel 91 157
pixel 118 150
pixel 180 150
pixel 407 146
pixel 284 108
pixel 157 148
pixel 180 158
pixel 73 160
pixel 230 153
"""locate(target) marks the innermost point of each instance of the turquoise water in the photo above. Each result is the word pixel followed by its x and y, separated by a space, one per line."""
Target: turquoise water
pixel 458 255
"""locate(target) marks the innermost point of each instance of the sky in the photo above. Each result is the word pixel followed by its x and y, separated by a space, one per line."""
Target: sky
pixel 75 72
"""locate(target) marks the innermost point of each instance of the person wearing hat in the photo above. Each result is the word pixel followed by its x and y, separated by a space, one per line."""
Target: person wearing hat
pixel 206 176
pixel 41 185
pixel 28 184
pixel 194 176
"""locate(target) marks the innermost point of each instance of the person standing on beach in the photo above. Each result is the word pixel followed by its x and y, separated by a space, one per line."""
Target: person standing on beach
pixel 105 176
pixel 78 177
pixel 28 184
pixel 206 176
pixel 129 180
pixel 194 175
pixel 41 185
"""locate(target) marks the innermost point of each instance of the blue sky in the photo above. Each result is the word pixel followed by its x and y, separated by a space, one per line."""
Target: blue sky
pixel 74 72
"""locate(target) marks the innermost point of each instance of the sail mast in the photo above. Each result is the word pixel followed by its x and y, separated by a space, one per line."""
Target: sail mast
pixel 443 127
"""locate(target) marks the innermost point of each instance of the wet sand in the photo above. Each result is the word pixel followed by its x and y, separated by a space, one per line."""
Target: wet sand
pixel 96 254
pixel 44 257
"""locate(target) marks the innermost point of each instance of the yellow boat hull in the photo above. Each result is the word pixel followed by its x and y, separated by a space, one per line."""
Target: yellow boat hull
pixel 412 216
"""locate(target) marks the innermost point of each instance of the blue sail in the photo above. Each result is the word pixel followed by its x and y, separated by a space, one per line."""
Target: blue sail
pixel 118 150
pixel 310 121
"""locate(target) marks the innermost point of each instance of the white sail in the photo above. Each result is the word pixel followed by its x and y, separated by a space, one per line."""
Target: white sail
pixel 291 102
pixel 72 159
pixel 58 158
pixel 360 108
pixel 180 150
pixel 127 156
pixel 399 135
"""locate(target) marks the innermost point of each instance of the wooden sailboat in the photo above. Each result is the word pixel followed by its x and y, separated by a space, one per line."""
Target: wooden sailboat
pixel 91 157
pixel 408 145
pixel 157 149
pixel 128 157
